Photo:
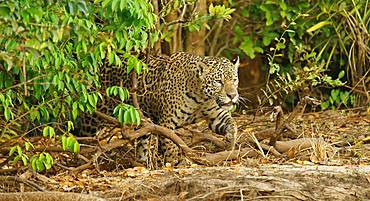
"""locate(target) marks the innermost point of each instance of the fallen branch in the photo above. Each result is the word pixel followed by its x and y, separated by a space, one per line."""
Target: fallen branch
pixel 198 136
pixel 21 180
pixel 216 158
pixel 8 171
pixel 270 149
pixel 148 128
pixel 299 144
pixel 168 133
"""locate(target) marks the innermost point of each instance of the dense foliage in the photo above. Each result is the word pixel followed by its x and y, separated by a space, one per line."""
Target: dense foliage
pixel 297 36
pixel 50 54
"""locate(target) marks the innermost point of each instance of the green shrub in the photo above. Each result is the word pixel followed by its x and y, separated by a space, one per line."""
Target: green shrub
pixel 334 32
pixel 50 56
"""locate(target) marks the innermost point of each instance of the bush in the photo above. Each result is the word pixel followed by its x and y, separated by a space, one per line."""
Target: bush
pixel 333 34
pixel 51 52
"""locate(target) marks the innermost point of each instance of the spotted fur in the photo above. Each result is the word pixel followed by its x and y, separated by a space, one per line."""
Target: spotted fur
pixel 182 89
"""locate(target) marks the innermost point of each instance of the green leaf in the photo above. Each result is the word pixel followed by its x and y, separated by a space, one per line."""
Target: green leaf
pixel 268 13
pixel 120 115
pixel 280 46
pixel 90 97
pixel 331 100
pixel 40 166
pixel 60 85
pixel 283 5
pixel 4 11
pixel 44 113
pixel 123 5
pixel 42 157
pixel 116 110
pixel 318 26
pixel 26 16
pixel 247 46
pixel 211 9
pixel 138 67
pixel 48 131
pixel 12 150
pixel 352 99
pixel 70 126
pixel 133 115
pixel 16 159
pixel 33 163
pixel 70 142
pixel 8 113
pixel 108 91
pixel 344 97
pixel 24 160
pixel 258 50
pixel 115 90
pixel 64 142
pixel 131 63
pixel 268 37
pixel 76 147
pixel 105 3
pixel 95 97
pixel 81 106
pixel 274 68
pixel 74 111
pixel 114 5
pixel 102 51
pixel 84 47
pixel 49 159
pixel 118 60
pixel 126 117
pixel 325 105
pixel 51 132
pixel 341 74
pixel 122 94
pixel 45 131
pixel 334 93
pixel 36 12
pixel 110 58
pixel 19 151
pixel 27 145
pixel 47 165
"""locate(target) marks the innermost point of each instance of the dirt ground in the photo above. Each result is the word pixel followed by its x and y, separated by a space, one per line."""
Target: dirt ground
pixel 336 166
pixel 266 182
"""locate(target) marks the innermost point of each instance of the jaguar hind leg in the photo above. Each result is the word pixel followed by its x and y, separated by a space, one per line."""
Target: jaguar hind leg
pixel 170 151
pixel 147 150
pixel 155 151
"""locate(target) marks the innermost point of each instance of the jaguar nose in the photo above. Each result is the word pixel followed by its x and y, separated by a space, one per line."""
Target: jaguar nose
pixel 233 96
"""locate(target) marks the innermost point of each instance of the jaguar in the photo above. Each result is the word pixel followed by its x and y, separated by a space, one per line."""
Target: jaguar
pixel 179 90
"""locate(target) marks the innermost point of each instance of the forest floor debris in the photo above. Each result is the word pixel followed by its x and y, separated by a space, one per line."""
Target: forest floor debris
pixel 334 165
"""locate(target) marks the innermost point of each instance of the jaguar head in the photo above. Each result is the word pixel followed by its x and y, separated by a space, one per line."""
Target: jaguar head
pixel 220 80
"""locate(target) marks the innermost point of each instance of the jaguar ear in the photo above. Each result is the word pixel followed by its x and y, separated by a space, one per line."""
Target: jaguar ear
pixel 202 68
pixel 236 62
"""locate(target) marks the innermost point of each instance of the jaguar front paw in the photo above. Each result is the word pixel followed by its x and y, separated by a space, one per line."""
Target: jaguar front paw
pixel 231 135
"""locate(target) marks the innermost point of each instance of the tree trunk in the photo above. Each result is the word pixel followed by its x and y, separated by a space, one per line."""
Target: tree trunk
pixel 157 45
pixel 195 40
pixel 176 40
